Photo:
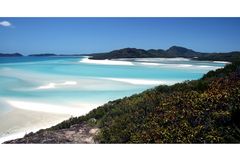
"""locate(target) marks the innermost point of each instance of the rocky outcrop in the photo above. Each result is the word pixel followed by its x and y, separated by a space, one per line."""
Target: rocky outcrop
pixel 78 133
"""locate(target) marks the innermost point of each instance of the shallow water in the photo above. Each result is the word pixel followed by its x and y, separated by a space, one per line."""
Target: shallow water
pixel 65 86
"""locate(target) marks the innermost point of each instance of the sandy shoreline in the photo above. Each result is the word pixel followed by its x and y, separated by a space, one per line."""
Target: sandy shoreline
pixel 47 108
pixel 106 62
pixel 25 121
pixel 26 116
pixel 54 85
pixel 134 81
pixel 150 62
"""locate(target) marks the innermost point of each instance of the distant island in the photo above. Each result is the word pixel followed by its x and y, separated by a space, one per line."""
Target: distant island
pixel 172 52
pixel 42 55
pixel 38 55
pixel 10 55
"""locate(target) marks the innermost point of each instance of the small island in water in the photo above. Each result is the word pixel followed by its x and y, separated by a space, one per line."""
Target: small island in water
pixel 206 110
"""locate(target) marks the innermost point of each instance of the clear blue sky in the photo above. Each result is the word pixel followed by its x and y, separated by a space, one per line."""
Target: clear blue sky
pixel 89 35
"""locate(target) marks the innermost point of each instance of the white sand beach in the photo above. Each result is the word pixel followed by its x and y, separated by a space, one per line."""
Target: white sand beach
pixel 30 116
pixel 151 64
pixel 47 108
pixel 106 62
pixel 148 62
pixel 54 85
pixel 140 81
pixel 25 121
pixel 224 62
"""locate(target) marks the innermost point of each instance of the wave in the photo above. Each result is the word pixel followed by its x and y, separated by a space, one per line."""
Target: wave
pixel 106 62
pixel 54 85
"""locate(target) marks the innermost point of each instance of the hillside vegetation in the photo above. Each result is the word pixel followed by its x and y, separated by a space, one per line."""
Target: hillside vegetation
pixel 200 111
pixel 172 52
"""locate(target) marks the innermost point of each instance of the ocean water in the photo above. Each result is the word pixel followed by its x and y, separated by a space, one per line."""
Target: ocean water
pixel 52 89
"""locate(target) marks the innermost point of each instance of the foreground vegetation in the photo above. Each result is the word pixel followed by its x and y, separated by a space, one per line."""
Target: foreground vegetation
pixel 200 111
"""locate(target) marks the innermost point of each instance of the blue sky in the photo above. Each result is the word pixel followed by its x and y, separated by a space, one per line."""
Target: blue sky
pixel 90 35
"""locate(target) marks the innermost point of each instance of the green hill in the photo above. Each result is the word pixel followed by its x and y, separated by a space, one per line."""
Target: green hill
pixel 200 111
pixel 172 52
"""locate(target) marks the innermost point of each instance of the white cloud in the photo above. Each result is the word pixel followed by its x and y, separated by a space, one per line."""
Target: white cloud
pixel 5 24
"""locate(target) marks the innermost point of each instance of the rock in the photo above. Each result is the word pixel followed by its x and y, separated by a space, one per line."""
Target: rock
pixel 93 131
pixel 79 133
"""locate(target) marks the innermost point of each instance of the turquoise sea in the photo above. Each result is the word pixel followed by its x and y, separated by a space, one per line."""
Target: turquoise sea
pixel 38 92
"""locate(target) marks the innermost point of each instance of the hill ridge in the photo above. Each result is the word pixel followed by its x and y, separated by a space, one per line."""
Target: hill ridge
pixel 172 52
